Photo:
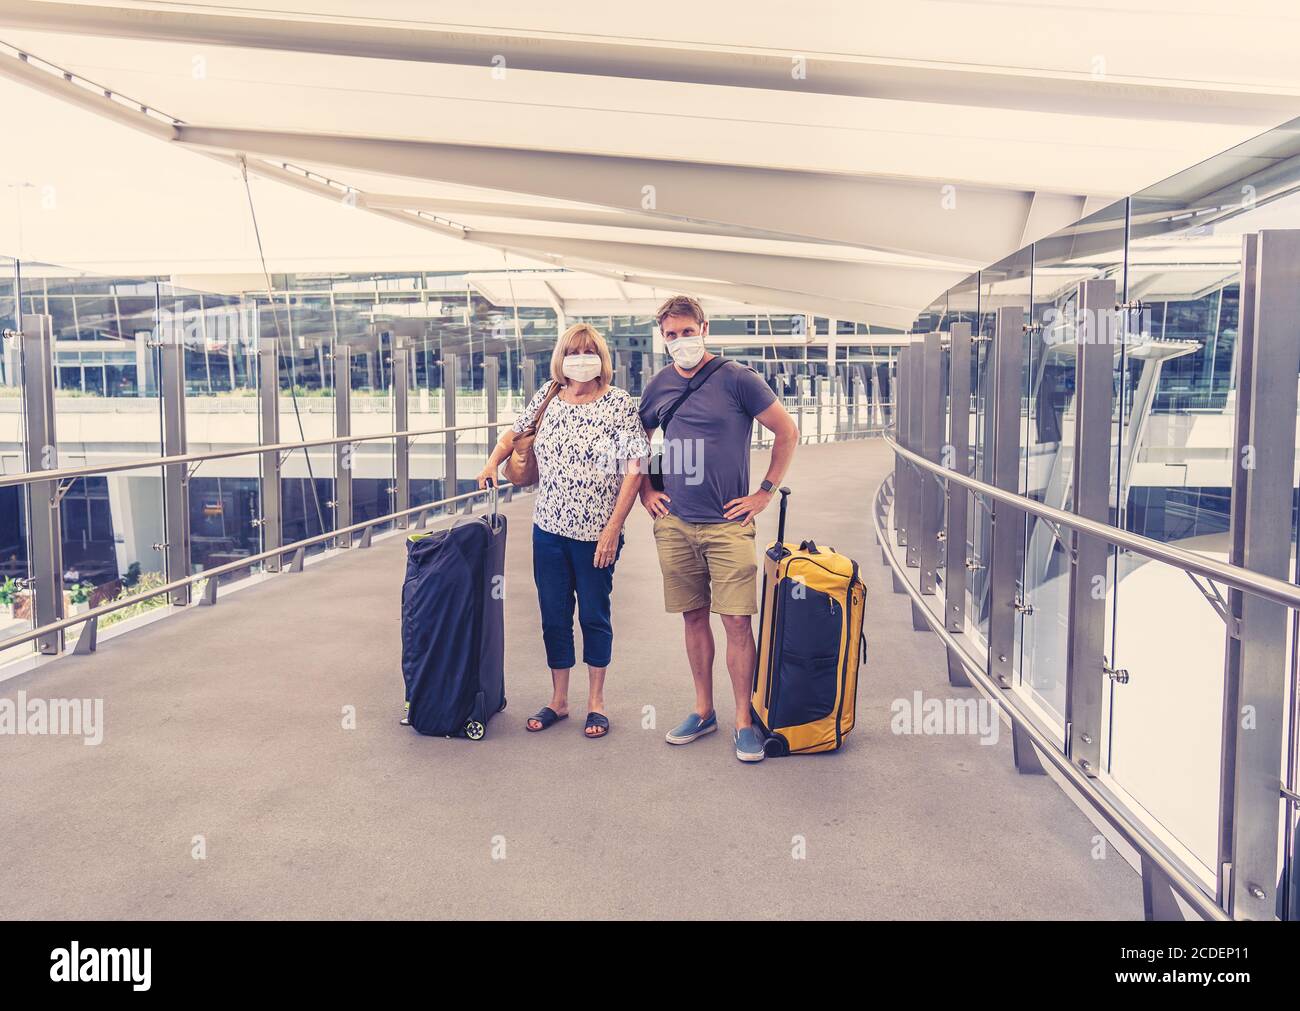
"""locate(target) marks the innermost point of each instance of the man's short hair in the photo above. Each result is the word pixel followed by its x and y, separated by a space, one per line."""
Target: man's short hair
pixel 680 305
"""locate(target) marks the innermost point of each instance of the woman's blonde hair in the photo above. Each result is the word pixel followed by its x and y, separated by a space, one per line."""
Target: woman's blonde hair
pixel 582 337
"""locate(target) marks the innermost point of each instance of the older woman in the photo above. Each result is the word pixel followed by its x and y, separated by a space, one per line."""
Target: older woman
pixel 589 442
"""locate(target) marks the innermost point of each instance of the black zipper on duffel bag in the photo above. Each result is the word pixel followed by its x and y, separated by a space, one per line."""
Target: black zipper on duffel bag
pixel 844 673
pixel 777 618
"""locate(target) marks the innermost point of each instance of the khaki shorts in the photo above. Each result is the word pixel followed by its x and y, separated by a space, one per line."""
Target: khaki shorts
pixel 707 565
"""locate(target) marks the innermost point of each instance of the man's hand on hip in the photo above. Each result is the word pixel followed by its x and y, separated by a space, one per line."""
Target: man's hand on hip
pixel 655 502
pixel 747 507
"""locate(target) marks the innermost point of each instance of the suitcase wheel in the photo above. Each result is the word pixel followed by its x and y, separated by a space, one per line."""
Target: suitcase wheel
pixel 474 730
pixel 503 703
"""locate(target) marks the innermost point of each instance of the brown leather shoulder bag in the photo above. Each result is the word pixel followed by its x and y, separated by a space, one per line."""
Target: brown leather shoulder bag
pixel 520 468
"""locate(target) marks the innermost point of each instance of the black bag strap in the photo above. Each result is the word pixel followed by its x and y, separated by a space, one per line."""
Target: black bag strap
pixel 696 382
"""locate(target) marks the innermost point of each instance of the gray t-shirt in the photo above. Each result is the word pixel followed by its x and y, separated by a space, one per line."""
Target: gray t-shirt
pixel 706 452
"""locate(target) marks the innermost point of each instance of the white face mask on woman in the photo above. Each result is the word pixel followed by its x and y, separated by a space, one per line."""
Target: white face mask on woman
pixel 686 352
pixel 581 368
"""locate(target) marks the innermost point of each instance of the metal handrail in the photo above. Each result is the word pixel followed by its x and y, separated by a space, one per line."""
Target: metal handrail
pixel 71 473
pixel 235 566
pixel 1183 883
pixel 60 474
pixel 1278 590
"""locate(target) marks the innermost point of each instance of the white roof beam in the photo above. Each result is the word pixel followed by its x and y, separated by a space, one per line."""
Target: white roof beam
pixel 730 66
pixel 882 284
pixel 553 297
pixel 1048 212
pixel 968 224
pixel 794 302
pixel 568 216
pixel 67 90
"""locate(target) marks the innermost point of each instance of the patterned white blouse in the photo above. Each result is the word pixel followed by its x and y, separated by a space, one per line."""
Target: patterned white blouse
pixel 580 449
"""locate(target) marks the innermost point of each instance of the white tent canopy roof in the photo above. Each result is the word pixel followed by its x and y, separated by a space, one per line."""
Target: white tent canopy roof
pixel 852 160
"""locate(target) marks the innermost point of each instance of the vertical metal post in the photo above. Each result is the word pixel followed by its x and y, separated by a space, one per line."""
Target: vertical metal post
pixel 835 400
pixel 876 412
pixel 801 402
pixel 44 531
pixel 1007 522
pixel 932 492
pixel 900 435
pixel 268 403
pixel 1256 665
pixel 856 393
pixel 343 452
pixel 450 379
pixel 1244 354
pixel 915 412
pixel 528 369
pixel 1096 336
pixel 818 391
pixel 176 510
pixel 490 399
pixel 954 576
pixel 401 422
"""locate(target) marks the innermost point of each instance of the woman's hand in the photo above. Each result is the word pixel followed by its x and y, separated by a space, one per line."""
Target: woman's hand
pixel 607 546
pixel 488 475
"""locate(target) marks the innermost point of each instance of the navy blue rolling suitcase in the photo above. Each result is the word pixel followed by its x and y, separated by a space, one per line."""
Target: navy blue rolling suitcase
pixel 453 628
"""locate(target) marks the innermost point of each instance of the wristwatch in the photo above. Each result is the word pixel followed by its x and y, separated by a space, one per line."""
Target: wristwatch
pixel 767 486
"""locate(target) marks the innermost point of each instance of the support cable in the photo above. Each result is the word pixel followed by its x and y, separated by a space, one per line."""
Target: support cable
pixel 293 393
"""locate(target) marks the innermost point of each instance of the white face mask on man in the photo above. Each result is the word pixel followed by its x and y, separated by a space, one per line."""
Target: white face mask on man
pixel 581 368
pixel 686 351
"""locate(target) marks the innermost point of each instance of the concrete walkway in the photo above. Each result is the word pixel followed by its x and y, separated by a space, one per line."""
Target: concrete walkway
pixel 226 723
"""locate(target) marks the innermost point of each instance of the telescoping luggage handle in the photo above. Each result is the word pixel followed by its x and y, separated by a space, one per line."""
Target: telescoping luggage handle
pixel 492 483
pixel 780 524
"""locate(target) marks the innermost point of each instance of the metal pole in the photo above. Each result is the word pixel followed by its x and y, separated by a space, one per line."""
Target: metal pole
pixel 915 412
pixel 490 399
pixel 932 493
pixel 449 381
pixel 853 389
pixel 954 578
pixel 839 397
pixel 1256 668
pixel 1096 338
pixel 1007 522
pixel 45 547
pixel 900 465
pixel 818 391
pixel 176 510
pixel 268 399
pixel 343 451
pixel 1241 441
pixel 528 368
pixel 401 417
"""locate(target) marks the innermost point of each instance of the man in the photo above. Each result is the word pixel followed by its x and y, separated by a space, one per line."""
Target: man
pixel 704 516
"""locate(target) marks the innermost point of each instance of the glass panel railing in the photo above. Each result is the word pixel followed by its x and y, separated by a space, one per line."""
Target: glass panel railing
pixel 307 408
pixel 1174 479
pixel 218 335
pixel 1170 676
pixel 15 572
pixel 106 368
pixel 1165 708
pixel 1092 249
pixel 372 413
